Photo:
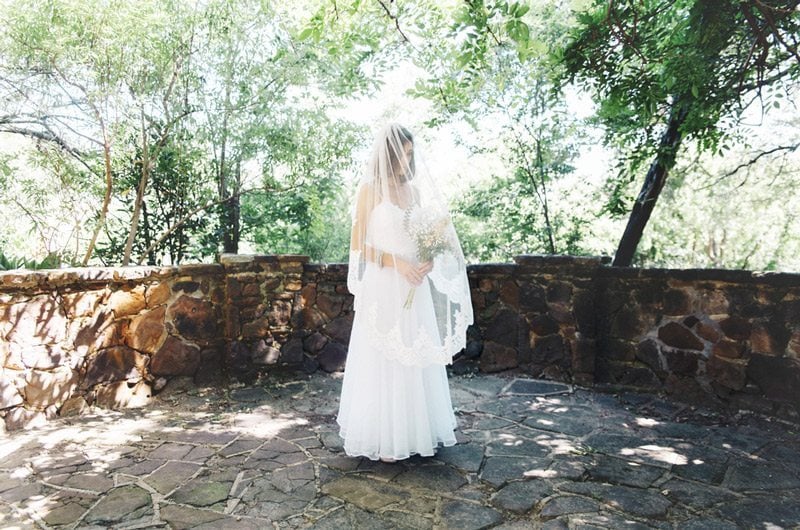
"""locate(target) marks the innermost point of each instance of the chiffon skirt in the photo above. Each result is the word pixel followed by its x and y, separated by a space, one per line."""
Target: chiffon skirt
pixel 391 410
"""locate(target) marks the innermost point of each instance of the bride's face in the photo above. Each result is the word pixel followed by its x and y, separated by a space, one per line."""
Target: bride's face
pixel 403 171
pixel 408 152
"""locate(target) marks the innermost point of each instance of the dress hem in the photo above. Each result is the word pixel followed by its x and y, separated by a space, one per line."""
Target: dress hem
pixel 402 457
pixel 450 442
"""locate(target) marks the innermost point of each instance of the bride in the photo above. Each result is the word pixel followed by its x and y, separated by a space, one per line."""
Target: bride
pixel 412 307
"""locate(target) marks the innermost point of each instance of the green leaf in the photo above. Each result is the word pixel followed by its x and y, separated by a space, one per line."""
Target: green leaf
pixel 306 33
pixel 518 31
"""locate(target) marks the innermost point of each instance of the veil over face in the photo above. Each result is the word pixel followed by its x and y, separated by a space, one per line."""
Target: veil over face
pixel 398 214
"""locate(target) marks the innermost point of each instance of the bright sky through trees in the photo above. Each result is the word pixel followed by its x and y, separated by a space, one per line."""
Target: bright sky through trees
pixel 243 126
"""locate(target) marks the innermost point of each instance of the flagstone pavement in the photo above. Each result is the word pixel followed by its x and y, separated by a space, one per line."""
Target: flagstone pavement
pixel 531 454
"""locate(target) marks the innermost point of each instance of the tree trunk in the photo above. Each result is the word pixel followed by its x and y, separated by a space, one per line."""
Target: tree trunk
pixel 183 220
pixel 226 215
pixel 230 213
pixel 230 244
pixel 137 205
pixel 106 199
pixel 543 196
pixel 712 30
pixel 653 184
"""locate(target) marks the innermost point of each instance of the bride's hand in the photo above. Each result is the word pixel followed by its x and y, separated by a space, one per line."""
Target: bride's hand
pixel 425 268
pixel 411 273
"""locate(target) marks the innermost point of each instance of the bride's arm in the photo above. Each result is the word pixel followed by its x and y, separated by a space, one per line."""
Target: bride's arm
pixel 364 205
pixel 358 243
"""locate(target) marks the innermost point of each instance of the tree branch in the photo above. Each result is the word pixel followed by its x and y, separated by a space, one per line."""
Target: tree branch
pixel 395 19
pixel 46 135
pixel 787 148
pixel 616 28
pixel 767 12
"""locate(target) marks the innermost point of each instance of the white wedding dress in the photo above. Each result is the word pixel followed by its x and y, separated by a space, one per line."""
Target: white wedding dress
pixel 395 399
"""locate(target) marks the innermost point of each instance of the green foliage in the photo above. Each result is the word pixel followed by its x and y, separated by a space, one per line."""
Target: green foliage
pixel 711 218
pixel 644 60
pixel 311 216
pixel 229 72
pixel 349 44
pixel 235 104
pixel 501 218
pixel 8 263
pixel 178 183
pixel 498 220
pixel 497 73
pixel 45 204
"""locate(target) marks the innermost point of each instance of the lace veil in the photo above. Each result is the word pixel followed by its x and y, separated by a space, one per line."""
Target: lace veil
pixel 400 219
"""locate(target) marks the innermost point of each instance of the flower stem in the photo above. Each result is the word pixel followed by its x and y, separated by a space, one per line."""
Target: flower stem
pixel 409 298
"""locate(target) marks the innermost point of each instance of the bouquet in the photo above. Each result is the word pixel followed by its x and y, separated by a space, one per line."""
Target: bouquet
pixel 428 230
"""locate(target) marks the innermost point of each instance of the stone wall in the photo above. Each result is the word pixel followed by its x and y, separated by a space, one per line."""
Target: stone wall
pixel 112 337
pixel 108 337
pixel 538 315
pixel 729 336
pixel 715 337
pixel 70 339
pixel 284 311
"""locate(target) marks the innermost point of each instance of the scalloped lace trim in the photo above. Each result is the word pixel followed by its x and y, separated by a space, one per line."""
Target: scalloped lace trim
pixel 424 350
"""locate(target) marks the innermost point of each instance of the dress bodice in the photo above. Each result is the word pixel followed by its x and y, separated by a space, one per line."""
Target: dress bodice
pixel 386 232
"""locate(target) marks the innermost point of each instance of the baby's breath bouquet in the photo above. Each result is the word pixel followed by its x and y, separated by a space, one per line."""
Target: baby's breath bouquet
pixel 428 230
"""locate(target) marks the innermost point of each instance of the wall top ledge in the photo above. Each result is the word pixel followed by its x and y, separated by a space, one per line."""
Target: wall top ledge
pixel 327 267
pixel 16 279
pixel 561 260
pixel 785 279
pixel 505 269
pixel 236 259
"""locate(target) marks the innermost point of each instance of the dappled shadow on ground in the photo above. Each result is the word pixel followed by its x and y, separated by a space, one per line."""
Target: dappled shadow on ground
pixel 269 455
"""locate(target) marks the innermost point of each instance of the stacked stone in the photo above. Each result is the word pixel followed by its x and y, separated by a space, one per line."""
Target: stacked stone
pixel 109 337
pixel 112 337
pixel 732 337
pixel 729 336
pixel 537 315
pixel 325 317
pixel 261 293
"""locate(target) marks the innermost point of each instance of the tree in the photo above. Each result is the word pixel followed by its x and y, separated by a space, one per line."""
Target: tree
pixel 171 228
pixel 162 99
pixel 73 71
pixel 735 211
pixel 671 71
pixel 312 217
pixel 259 64
pixel 471 49
pixel 496 69
pixel 46 200
pixel 88 77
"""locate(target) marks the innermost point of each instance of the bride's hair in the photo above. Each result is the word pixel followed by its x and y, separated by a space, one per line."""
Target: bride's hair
pixel 396 150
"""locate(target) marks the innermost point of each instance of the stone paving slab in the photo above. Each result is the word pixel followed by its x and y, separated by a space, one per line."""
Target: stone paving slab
pixel 531 454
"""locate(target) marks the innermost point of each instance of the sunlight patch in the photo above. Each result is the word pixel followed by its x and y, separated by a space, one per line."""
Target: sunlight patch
pixel 656 452
pixel 535 387
pixel 263 425
pixel 541 473
pixel 21 472
pixel 647 422
pixel 559 446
